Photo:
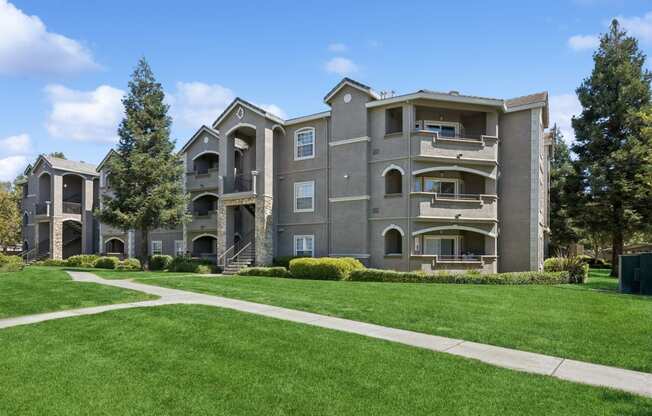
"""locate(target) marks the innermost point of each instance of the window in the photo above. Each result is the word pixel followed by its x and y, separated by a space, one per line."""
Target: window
pixel 441 245
pixel 393 182
pixel 179 248
pixel 438 185
pixel 304 245
pixel 304 143
pixel 442 128
pixel 394 120
pixel 157 247
pixel 304 196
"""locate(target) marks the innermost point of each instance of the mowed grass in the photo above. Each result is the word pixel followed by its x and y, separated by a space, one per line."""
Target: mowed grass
pixel 188 359
pixel 46 289
pixel 587 325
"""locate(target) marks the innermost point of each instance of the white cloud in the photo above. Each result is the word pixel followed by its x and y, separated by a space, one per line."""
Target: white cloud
pixel 639 27
pixel 338 47
pixel 341 66
pixel 84 115
pixel 27 47
pixel 562 109
pixel 11 166
pixel 19 144
pixel 274 109
pixel 197 103
pixel 582 42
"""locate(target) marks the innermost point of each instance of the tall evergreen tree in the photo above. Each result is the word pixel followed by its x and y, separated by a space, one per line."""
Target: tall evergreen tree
pixel 561 194
pixel 614 139
pixel 9 216
pixel 146 174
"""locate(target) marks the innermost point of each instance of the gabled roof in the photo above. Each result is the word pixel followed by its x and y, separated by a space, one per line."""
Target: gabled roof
pixel 248 105
pixel 67 165
pixel 440 96
pixel 199 132
pixel 353 84
pixel 106 159
pixel 539 99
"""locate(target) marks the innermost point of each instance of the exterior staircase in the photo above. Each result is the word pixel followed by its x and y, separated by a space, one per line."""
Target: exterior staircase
pixel 245 257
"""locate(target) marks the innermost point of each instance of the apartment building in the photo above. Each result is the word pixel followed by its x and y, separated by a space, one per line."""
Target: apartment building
pixel 421 181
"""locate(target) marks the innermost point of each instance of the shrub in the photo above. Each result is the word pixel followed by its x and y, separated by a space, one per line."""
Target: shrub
pixel 284 261
pixel 107 263
pixel 82 260
pixel 265 272
pixel 11 263
pixel 53 262
pixel 324 268
pixel 188 265
pixel 577 269
pixel 129 264
pixel 159 262
pixel 515 278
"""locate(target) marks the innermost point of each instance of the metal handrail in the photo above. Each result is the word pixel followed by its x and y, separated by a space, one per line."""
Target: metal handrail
pixel 243 182
pixel 241 250
pixel 222 256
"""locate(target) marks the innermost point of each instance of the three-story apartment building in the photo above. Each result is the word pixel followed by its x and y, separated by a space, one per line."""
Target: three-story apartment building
pixel 422 181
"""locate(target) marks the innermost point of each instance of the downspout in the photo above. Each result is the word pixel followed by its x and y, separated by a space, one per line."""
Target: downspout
pixel 410 186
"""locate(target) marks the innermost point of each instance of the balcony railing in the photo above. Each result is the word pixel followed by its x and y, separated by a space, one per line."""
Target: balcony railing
pixel 243 183
pixel 71 207
pixel 203 213
pixel 202 171
pixel 456 197
pixel 43 208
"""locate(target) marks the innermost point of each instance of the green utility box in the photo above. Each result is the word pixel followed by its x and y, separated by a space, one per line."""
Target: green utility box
pixel 645 276
pixel 628 273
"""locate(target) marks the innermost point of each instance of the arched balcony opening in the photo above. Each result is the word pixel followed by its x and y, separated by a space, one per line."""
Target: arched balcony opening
pixel 206 162
pixel 455 183
pixel 73 186
pixel 44 194
pixel 455 244
pixel 241 158
pixel 205 247
pixel 204 205
pixel 114 246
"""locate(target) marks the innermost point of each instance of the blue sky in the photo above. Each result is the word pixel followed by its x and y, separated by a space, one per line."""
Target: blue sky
pixel 64 65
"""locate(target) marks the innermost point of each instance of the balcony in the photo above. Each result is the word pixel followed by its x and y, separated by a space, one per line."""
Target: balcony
pixel 479 149
pixel 202 221
pixel 43 208
pixel 200 179
pixel 240 186
pixel 455 207
pixel 71 207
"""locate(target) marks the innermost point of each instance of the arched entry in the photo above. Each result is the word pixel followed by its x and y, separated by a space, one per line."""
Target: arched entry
pixel 205 246
pixel 72 238
pixel 114 245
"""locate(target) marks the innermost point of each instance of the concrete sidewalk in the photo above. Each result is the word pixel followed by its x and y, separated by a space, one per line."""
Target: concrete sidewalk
pixel 576 371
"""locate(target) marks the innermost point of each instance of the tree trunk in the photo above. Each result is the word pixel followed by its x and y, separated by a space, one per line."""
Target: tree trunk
pixel 616 251
pixel 144 252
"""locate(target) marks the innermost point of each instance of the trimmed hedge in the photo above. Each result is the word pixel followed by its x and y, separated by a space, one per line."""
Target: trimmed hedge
pixel 187 265
pixel 265 272
pixel 106 263
pixel 324 268
pixel 52 262
pixel 284 261
pixel 11 263
pixel 82 260
pixel 159 262
pixel 575 266
pixel 129 264
pixel 515 278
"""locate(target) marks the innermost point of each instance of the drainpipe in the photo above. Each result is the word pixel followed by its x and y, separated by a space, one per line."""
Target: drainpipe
pixel 410 185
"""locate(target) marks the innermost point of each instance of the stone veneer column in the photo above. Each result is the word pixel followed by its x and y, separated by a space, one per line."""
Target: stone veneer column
pixel 56 238
pixel 264 229
pixel 221 228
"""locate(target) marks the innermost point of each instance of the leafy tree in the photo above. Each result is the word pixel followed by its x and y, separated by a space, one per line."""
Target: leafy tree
pixel 562 174
pixel 614 140
pixel 146 175
pixel 60 155
pixel 10 221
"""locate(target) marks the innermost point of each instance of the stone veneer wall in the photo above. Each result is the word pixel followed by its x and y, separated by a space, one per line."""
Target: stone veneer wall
pixel 264 230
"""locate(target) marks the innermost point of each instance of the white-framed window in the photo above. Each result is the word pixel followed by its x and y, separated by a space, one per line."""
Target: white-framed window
pixel 443 128
pixel 179 248
pixel 157 247
pixel 304 245
pixel 439 185
pixel 441 245
pixel 304 143
pixel 304 196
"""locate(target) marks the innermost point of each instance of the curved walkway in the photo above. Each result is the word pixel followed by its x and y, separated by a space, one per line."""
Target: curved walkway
pixel 577 371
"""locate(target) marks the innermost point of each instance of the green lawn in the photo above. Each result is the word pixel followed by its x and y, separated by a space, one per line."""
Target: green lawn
pixel 47 289
pixel 188 359
pixel 589 325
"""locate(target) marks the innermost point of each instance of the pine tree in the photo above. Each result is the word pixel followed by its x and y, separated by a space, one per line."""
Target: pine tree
pixel 614 143
pixel 146 174
pixel 9 216
pixel 561 194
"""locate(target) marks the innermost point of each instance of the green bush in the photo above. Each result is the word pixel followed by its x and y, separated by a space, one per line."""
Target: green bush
pixel 265 272
pixel 159 262
pixel 107 263
pixel 129 264
pixel 11 263
pixel 82 260
pixel 515 278
pixel 577 269
pixel 188 265
pixel 324 268
pixel 284 261
pixel 53 262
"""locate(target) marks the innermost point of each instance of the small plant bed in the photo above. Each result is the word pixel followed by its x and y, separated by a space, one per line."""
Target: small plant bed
pixel 587 325
pixel 196 360
pixel 47 289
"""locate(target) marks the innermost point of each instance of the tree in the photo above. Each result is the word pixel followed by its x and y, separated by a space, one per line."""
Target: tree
pixel 146 175
pixel 10 221
pixel 60 155
pixel 562 173
pixel 614 143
